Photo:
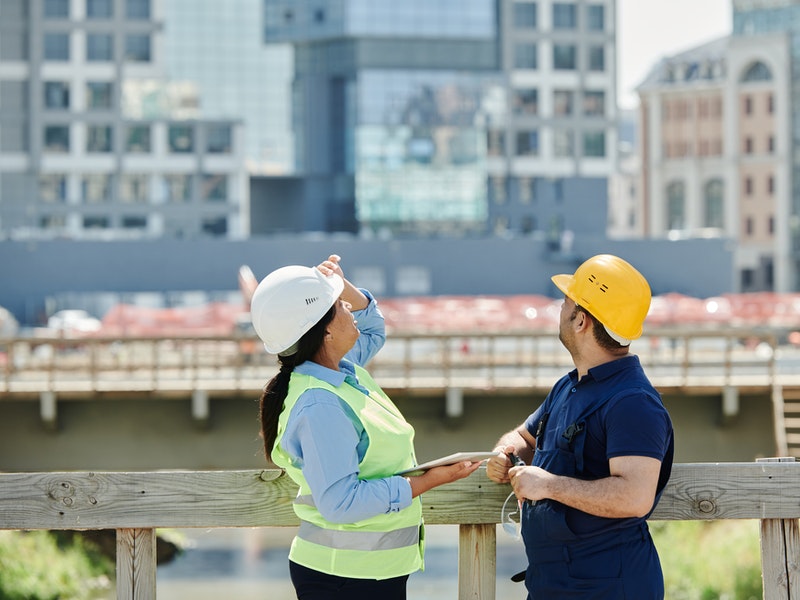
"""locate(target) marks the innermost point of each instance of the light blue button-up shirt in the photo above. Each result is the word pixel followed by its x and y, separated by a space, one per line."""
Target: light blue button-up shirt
pixel 327 441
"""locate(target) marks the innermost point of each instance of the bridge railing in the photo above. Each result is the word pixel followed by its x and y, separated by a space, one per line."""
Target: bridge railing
pixel 409 360
pixel 135 504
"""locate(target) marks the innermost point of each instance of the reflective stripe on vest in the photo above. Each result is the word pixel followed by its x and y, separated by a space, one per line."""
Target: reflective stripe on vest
pixel 359 540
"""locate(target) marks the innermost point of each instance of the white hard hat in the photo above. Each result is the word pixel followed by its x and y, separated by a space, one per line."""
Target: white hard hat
pixel 290 301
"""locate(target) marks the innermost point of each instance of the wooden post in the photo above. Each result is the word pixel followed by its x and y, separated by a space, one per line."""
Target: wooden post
pixel 136 564
pixel 48 410
pixel 780 552
pixel 477 561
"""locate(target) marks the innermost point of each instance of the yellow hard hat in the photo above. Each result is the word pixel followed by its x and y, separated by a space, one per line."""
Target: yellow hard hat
pixel 613 292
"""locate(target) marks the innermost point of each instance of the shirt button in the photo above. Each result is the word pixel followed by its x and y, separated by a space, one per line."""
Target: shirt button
pixel 574 390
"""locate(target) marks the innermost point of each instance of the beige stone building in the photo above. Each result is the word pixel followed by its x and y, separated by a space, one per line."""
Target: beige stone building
pixel 715 148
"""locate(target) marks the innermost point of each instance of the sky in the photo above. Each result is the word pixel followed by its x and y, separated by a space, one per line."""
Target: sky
pixel 650 29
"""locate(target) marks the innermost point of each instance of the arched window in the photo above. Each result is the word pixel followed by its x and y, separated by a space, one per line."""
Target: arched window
pixel 676 210
pixel 757 71
pixel 713 207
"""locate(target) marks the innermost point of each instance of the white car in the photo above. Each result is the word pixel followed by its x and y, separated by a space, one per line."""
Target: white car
pixel 73 322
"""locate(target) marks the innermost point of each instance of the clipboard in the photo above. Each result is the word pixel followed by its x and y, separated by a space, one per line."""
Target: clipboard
pixel 451 459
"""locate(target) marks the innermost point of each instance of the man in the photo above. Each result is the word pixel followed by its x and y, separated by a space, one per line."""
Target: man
pixel 599 449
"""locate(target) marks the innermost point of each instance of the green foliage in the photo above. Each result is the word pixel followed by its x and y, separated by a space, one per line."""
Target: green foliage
pixel 709 560
pixel 36 566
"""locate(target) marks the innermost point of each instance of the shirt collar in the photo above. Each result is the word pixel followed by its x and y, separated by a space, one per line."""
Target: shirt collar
pixel 335 378
pixel 608 369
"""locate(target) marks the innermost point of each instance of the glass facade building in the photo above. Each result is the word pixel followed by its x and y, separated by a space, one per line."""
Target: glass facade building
pixel 393 101
pixel 218 47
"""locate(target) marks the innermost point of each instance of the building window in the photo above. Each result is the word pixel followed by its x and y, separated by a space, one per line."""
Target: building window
pixel 96 188
pixel 527 143
pixel 134 188
pixel 178 188
pixel 714 207
pixel 99 95
pixel 99 47
pixel 564 15
pixel 219 139
pixel 771 185
pixel 594 103
pixel 137 9
pixel 525 15
pixel 758 71
pixel 594 144
pixel 181 139
pixel 596 17
pixel 52 222
pixel 770 104
pixel 495 142
pixel 563 143
pixel 134 222
pixel 99 9
pixel 138 139
pixel 528 224
pixel 56 95
pixel 216 227
pixel 498 192
pixel 56 46
pixel 597 58
pixel 748 226
pixel 748 186
pixel 563 103
pixel 564 57
pixel 98 138
pixel 96 223
pixel 525 56
pixel 527 189
pixel 53 188
pixel 675 205
pixel 771 144
pixel 748 105
pixel 56 9
pixel 748 145
pixel 525 102
pixel 771 225
pixel 137 47
pixel 215 188
pixel 56 138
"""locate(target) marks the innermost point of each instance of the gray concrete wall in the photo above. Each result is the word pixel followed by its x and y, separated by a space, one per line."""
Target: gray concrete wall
pixel 148 434
pixel 33 271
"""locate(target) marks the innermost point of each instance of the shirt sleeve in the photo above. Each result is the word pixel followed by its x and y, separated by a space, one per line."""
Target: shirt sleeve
pixel 639 425
pixel 325 442
pixel 372 326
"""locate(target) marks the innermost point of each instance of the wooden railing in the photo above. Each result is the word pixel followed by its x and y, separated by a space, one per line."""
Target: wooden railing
pixel 136 503
pixel 410 361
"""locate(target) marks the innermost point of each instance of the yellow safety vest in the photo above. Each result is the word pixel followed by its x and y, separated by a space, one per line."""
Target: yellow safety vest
pixel 380 547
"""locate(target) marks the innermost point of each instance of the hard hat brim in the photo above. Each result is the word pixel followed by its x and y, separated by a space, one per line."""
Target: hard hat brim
pixel 563 282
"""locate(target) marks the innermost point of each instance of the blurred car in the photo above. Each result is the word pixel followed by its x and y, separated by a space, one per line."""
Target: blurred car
pixel 73 323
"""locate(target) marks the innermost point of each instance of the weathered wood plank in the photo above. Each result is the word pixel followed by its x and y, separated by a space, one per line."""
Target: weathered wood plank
pixel 136 564
pixel 253 498
pixel 477 562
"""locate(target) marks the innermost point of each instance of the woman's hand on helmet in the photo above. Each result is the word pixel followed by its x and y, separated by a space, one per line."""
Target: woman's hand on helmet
pixel 351 294
pixel 331 266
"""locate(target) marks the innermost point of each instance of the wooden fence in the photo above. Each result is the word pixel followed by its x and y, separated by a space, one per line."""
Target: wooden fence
pixel 136 503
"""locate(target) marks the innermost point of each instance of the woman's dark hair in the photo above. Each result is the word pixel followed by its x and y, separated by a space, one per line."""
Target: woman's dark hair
pixel 271 403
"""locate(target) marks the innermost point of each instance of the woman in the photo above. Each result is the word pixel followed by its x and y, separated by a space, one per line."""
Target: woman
pixel 340 438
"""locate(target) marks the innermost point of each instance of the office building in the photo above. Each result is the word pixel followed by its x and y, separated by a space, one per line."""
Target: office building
pixel 218 47
pixel 453 117
pixel 94 142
